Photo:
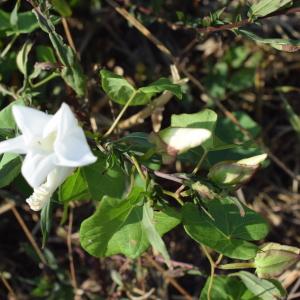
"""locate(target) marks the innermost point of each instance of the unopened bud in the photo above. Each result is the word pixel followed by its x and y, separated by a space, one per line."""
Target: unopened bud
pixel 229 173
pixel 273 259
pixel 175 140
pixel 203 190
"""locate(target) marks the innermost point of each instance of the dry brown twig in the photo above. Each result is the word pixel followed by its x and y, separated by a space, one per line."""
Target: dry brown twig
pixel 172 281
pixel 70 251
pixel 10 206
pixel 68 33
pixel 8 286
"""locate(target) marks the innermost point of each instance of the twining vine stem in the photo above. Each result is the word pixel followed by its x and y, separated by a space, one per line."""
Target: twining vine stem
pixel 118 118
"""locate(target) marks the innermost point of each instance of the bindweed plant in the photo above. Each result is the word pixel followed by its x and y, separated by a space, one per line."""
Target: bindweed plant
pixel 130 177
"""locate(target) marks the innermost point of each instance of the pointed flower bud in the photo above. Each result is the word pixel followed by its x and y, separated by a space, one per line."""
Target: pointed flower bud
pixel 175 140
pixel 227 173
pixel 273 259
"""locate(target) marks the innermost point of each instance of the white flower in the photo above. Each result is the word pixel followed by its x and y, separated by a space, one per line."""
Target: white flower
pixel 54 146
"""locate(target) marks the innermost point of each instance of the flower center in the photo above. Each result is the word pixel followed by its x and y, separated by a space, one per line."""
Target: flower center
pixel 46 144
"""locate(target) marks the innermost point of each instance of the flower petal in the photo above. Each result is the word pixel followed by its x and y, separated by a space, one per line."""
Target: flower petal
pixel 36 167
pixel 30 121
pixel 70 147
pixel 42 194
pixel 73 150
pixel 63 121
pixel 14 145
pixel 57 177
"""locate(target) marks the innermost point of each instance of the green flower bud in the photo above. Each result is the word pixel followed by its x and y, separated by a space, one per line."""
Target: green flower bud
pixel 203 190
pixel 227 173
pixel 273 259
pixel 175 140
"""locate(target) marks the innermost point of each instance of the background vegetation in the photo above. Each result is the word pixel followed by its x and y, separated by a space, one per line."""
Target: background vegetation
pixel 228 64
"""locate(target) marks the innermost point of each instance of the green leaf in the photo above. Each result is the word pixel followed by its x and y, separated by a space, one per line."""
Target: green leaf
pixel 14 14
pixel 10 168
pixel 62 7
pixel 102 180
pixel 133 232
pixel 136 141
pixel 294 119
pixel 287 45
pixel 152 234
pixel 227 288
pixel 262 288
pixel 111 215
pixel 6 118
pixel 27 23
pixel 4 20
pixel 159 86
pixel 45 54
pixel 231 134
pixel 72 72
pixel 46 214
pixel 120 90
pixel 74 188
pixel 22 58
pixel 206 119
pixel 23 23
pixel 224 230
pixel 116 87
pixel 116 226
pixel 263 8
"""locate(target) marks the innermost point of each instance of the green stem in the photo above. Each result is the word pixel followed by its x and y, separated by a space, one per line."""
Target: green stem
pixel 173 195
pixel 5 91
pixel 149 153
pixel 138 168
pixel 115 123
pixel 200 162
pixel 9 45
pixel 233 266
pixel 212 271
pixel 45 80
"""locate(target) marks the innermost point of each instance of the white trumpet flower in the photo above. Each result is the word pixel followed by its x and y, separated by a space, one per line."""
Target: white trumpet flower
pixel 54 146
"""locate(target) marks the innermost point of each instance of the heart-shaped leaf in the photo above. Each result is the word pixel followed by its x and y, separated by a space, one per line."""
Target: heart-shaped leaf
pixel 224 229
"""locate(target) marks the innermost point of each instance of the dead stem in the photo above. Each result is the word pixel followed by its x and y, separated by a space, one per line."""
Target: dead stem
pixel 172 281
pixel 70 251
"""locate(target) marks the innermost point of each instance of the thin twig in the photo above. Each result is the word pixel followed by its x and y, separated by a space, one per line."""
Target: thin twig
pixel 8 286
pixel 70 251
pixel 198 166
pixel 138 25
pixel 138 168
pixel 29 235
pixel 6 207
pixel 168 177
pixel 172 281
pixel 229 26
pixel 68 33
pixel 9 45
pixel 118 118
